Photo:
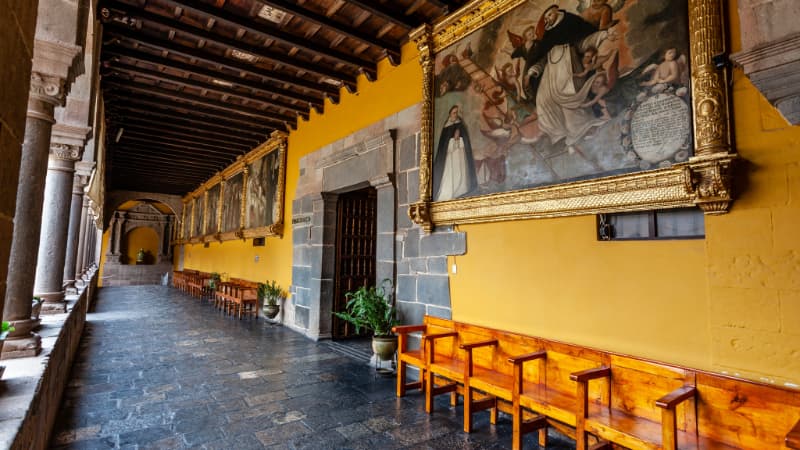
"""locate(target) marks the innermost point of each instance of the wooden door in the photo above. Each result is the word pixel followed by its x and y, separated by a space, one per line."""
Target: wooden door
pixel 356 237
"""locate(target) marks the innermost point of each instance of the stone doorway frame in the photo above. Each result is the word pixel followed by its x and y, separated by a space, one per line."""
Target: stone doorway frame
pixel 324 175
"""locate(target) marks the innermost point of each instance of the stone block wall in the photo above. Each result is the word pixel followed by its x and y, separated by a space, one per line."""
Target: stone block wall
pixel 38 407
pixel 384 155
pixel 116 274
pixel 17 27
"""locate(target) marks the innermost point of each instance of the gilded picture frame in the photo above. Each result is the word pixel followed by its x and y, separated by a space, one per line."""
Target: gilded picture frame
pixel 699 176
pixel 223 198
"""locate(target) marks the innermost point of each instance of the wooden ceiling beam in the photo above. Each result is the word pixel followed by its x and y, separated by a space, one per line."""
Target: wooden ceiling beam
pixel 370 68
pixel 161 76
pixel 245 112
pixel 145 108
pixel 184 137
pixel 164 161
pixel 201 151
pixel 193 143
pixel 161 171
pixel 193 53
pixel 388 14
pixel 183 130
pixel 194 69
pixel 392 51
pixel 139 181
pixel 149 148
pixel 259 51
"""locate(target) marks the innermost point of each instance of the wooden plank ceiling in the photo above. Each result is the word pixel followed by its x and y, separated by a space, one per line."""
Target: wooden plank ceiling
pixel 191 85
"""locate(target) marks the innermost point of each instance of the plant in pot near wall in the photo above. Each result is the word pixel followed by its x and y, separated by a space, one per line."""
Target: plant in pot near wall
pixel 369 308
pixel 269 294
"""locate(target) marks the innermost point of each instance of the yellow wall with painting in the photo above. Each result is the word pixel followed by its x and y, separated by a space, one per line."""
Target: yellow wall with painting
pixel 726 303
pixel 729 302
pixel 352 113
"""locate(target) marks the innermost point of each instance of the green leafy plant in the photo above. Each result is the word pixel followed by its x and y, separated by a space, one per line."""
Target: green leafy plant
pixel 368 308
pixel 5 329
pixel 215 278
pixel 270 292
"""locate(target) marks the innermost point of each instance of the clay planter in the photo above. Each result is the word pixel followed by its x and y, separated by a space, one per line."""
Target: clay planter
pixel 384 346
pixel 271 310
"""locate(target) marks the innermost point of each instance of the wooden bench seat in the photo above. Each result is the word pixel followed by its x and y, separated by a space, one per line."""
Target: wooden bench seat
pixel 600 398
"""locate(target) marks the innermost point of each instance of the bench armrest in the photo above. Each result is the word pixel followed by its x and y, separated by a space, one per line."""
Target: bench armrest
pixel 671 400
pixel 404 329
pixel 528 357
pixel 590 374
pixel 471 345
pixel 430 337
pixel 793 437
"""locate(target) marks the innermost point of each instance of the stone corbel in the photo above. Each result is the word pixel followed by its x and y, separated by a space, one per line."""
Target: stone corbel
pixel 420 214
pixel 774 69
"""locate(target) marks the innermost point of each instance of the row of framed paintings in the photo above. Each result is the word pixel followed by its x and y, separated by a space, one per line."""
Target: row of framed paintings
pixel 243 201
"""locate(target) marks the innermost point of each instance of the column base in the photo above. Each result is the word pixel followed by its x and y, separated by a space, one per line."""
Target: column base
pixel 49 308
pixel 70 287
pixel 22 342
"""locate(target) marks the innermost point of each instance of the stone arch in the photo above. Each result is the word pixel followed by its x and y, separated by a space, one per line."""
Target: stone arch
pixel 114 199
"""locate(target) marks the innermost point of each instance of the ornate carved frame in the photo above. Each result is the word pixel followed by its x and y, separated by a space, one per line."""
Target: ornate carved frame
pixel 703 181
pixel 212 225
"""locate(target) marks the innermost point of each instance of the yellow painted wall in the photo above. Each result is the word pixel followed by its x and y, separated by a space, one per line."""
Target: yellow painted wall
pixel 726 303
pixel 354 112
pixel 145 238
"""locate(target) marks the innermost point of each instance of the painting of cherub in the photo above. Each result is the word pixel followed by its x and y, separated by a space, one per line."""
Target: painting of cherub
pixel 547 94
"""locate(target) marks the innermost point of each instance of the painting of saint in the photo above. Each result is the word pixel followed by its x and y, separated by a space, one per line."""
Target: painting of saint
pixel 262 185
pixel 187 220
pixel 561 93
pixel 213 207
pixel 232 204
pixel 198 217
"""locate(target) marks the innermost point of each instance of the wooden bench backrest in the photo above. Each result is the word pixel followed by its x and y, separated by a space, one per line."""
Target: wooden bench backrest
pixel 564 359
pixel 449 347
pixel 745 414
pixel 637 384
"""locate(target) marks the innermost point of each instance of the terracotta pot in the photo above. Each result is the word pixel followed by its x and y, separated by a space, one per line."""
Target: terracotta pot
pixel 271 310
pixel 384 346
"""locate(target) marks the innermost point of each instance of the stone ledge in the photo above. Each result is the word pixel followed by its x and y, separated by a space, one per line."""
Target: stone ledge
pixel 31 388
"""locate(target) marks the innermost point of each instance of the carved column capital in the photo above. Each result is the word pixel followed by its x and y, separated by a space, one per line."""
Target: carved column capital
pixel 48 88
pixel 66 152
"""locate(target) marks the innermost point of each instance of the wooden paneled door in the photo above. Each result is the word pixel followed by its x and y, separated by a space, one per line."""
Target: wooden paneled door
pixel 356 239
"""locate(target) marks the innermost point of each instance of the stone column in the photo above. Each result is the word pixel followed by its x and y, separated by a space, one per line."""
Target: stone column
pixel 79 181
pixel 55 222
pixel 51 67
pixel 80 257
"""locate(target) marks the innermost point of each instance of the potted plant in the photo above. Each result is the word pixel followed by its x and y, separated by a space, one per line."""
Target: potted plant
pixel 369 308
pixel 212 282
pixel 269 294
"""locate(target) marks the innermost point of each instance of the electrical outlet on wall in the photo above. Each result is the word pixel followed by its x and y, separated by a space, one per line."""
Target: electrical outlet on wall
pixel 257 258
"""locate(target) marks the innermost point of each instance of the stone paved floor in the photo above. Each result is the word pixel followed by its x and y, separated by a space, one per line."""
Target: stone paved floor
pixel 158 369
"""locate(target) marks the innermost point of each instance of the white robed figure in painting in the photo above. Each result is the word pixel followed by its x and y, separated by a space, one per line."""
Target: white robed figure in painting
pixel 453 165
pixel 560 101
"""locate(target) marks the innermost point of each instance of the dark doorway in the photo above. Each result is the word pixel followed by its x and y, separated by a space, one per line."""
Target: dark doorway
pixel 356 239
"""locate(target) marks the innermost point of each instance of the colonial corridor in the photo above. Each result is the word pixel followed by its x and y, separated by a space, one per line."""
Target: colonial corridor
pixel 158 369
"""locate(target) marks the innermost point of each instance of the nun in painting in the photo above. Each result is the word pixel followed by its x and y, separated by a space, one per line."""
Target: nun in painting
pixel 453 166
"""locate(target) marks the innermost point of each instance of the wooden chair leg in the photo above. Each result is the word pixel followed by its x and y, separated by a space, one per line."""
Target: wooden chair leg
pixel 467 409
pixel 401 378
pixel 429 393
pixel 543 437
pixel 453 398
pixel 493 414
pixel 516 425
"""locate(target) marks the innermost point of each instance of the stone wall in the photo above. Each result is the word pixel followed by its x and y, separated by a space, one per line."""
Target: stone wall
pixel 17 27
pixel 33 386
pixel 384 155
pixel 116 274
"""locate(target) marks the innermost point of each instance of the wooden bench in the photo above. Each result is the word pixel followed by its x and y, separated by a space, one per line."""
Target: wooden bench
pixel 237 297
pixel 597 397
pixel 415 356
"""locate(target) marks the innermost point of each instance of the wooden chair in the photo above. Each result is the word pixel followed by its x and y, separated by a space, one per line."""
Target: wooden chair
pixel 414 357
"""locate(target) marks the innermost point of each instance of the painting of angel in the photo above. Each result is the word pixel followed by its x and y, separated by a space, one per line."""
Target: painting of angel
pixel 548 94
pixel 232 204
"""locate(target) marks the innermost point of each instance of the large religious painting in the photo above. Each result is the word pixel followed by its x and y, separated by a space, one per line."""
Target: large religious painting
pixel 527 102
pixel 212 209
pixel 263 187
pixel 197 213
pixel 187 221
pixel 232 203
